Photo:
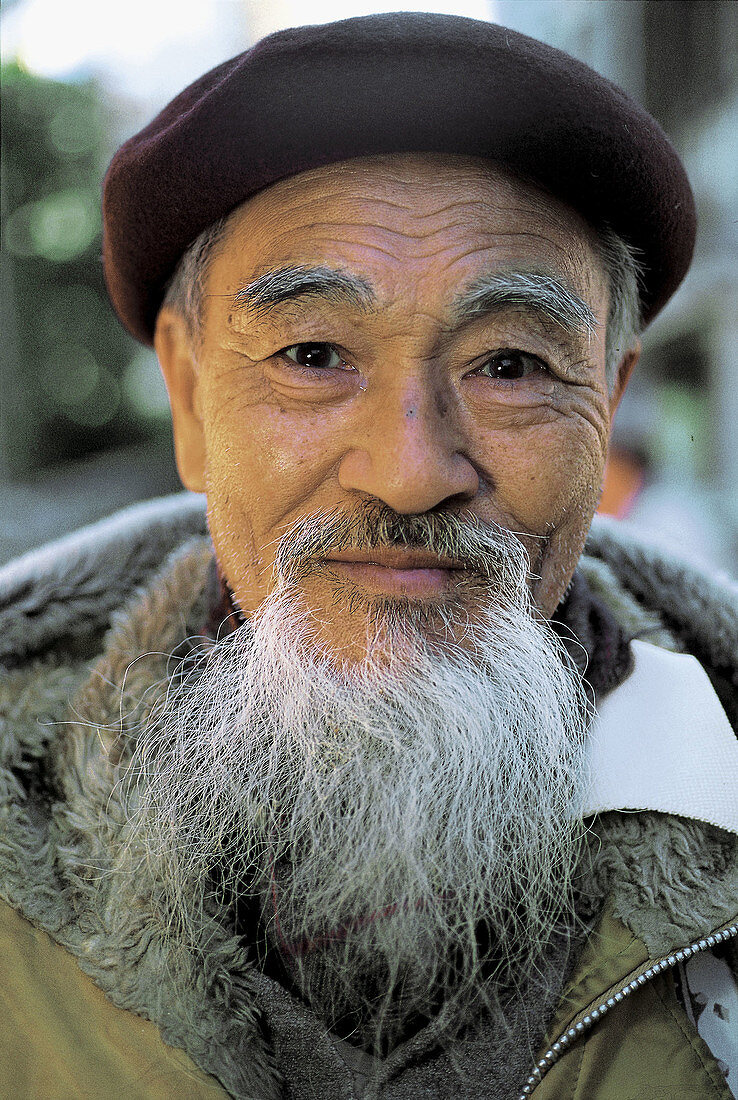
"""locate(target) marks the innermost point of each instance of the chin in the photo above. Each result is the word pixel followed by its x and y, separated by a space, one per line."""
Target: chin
pixel 352 626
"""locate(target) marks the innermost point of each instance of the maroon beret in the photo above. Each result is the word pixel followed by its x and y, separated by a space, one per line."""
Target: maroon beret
pixel 400 82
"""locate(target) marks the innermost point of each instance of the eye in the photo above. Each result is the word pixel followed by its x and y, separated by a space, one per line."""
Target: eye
pixel 319 356
pixel 509 366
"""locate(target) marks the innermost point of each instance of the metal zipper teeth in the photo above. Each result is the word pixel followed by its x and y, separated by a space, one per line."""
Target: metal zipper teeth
pixel 564 1041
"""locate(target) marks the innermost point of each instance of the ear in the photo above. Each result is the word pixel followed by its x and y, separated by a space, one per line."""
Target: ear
pixel 175 350
pixel 625 369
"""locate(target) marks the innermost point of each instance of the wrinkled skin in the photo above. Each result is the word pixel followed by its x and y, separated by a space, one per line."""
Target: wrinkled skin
pixel 411 416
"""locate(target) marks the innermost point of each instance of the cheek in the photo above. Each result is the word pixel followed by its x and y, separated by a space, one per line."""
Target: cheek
pixel 265 467
pixel 542 475
pixel 552 490
pixel 571 473
pixel 265 452
pixel 545 482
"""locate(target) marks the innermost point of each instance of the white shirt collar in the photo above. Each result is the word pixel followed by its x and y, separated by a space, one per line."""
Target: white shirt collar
pixel 662 741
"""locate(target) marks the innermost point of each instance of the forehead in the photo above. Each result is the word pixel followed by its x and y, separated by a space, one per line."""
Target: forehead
pixel 437 218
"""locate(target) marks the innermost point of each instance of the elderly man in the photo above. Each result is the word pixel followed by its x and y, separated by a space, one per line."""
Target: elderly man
pixel 386 788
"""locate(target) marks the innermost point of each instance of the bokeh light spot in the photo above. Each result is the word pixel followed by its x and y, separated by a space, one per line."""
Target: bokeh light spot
pixel 86 392
pixel 101 406
pixel 143 387
pixel 71 375
pixel 59 227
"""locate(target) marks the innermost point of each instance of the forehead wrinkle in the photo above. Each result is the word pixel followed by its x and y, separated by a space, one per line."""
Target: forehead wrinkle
pixel 538 293
pixel 287 283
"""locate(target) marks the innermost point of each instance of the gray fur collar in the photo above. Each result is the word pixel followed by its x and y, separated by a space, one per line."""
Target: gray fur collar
pixel 64 593
pixel 61 861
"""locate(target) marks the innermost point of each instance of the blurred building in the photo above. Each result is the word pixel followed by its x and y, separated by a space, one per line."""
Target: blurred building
pixel 679 418
pixel 83 421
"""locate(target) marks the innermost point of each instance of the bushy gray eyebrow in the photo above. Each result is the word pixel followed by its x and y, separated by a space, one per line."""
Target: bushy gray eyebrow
pixel 542 294
pixel 493 292
pixel 287 283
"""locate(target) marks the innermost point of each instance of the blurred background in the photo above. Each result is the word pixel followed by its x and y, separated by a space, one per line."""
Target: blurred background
pixel 84 425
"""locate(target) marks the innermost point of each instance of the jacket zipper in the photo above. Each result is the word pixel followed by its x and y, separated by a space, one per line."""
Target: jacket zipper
pixel 586 1019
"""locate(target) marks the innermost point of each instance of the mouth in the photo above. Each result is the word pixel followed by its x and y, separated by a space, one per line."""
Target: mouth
pixel 396 572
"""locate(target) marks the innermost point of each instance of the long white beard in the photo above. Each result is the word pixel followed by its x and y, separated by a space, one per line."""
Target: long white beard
pixel 385 813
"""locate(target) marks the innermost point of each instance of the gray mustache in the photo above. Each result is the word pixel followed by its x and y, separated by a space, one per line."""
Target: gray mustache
pixel 485 548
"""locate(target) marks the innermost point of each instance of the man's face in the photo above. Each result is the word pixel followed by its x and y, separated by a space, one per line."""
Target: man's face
pixel 403 380
pixel 400 344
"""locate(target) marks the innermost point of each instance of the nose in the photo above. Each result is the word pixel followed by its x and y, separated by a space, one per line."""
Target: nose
pixel 409 451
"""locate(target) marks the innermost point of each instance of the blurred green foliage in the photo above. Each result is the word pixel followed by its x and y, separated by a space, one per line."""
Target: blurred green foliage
pixel 79 382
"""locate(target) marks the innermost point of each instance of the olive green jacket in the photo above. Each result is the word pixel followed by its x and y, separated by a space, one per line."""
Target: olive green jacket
pixel 91 1001
pixel 619 1032
pixel 611 1038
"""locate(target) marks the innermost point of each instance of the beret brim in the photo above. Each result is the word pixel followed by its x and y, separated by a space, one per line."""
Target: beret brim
pixel 400 82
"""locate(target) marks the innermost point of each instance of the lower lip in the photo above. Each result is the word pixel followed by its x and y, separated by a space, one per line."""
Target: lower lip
pixel 403 582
